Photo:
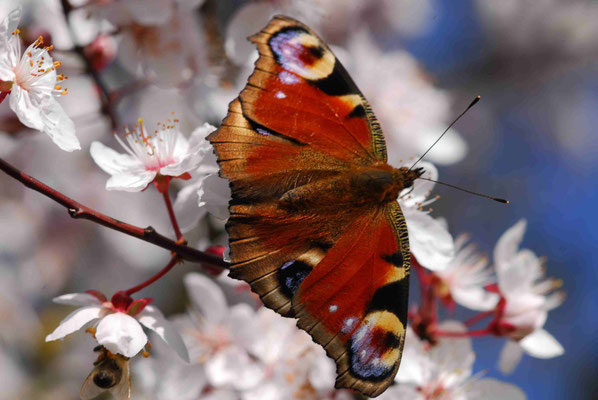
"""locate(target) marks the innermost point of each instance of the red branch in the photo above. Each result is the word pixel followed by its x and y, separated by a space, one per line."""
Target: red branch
pixel 173 221
pixel 79 211
pixel 173 261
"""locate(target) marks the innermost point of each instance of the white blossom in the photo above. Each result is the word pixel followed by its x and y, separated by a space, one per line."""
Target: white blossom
pixel 429 240
pixel 116 325
pixel 528 297
pixel 465 277
pixel 444 371
pixel 412 112
pixel 166 153
pixel 32 83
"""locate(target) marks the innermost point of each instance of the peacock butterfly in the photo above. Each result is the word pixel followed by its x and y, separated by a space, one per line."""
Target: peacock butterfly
pixel 315 227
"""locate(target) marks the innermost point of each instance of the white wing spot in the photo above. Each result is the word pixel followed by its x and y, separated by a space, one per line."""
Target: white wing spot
pixel 280 95
pixel 333 308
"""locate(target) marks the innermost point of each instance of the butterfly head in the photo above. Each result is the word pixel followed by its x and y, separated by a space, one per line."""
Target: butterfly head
pixel 404 177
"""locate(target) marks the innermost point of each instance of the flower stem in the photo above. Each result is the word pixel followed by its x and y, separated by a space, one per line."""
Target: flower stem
pixel 477 318
pixel 173 261
pixel 479 332
pixel 173 221
pixel 79 211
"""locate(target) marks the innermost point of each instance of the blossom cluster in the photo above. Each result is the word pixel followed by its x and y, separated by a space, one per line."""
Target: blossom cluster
pixel 151 64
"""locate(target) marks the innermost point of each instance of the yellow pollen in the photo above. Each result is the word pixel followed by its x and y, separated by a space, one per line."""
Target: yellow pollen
pixel 49 48
pixel 31 63
pixel 57 64
pixel 60 77
pixel 64 92
pixel 145 354
pixel 91 331
pixel 40 39
pixel 30 54
pixel 57 87
pixel 16 32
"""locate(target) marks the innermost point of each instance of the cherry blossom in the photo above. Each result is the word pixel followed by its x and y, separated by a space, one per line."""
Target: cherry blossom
pixel 526 299
pixel 32 84
pixel 444 371
pixel 251 354
pixel 464 279
pixel 116 324
pixel 429 240
pixel 159 39
pixel 412 111
pixel 151 158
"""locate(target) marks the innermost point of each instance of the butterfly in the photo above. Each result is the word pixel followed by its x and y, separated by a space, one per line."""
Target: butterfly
pixel 315 227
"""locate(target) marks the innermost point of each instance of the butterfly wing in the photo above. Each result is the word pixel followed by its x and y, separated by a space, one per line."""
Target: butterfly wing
pixel 354 302
pixel 301 120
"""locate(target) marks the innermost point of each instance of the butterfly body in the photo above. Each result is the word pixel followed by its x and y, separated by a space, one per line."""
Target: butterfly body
pixel 314 225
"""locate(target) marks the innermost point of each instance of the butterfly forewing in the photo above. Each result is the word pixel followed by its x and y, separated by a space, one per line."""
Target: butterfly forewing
pixel 308 245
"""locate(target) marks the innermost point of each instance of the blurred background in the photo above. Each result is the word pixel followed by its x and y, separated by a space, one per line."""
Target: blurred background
pixel 532 139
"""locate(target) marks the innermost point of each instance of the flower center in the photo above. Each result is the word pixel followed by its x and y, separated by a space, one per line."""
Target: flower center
pixel 36 68
pixel 154 151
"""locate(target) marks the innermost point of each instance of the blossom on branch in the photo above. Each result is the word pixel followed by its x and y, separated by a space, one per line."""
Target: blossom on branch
pixel 151 158
pixel 429 240
pixel 33 85
pixel 444 371
pixel 117 324
pixel 464 279
pixel 526 299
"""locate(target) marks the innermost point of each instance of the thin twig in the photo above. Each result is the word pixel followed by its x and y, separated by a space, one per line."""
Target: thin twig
pixel 79 211
pixel 105 96
pixel 173 261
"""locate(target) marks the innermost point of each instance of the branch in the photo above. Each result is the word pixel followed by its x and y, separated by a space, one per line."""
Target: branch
pixel 79 211
pixel 105 97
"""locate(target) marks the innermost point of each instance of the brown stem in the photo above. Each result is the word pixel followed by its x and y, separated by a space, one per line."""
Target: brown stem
pixel 173 261
pixel 79 211
pixel 107 104
pixel 173 221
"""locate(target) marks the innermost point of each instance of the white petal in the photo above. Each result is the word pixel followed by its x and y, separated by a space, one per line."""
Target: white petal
pixel 58 125
pixel 475 298
pixel 322 373
pixel 243 324
pixel 26 108
pixel 541 344
pixel 75 321
pixel 215 193
pixel 453 356
pixel 207 297
pixel 430 242
pixel 508 244
pixel 422 188
pixel 133 182
pixel 10 22
pixel 152 318
pixel 509 357
pixel 77 299
pixel 186 207
pixel 121 333
pixel 414 362
pixel 492 389
pixel 111 161
pixel 402 391
pixel 233 366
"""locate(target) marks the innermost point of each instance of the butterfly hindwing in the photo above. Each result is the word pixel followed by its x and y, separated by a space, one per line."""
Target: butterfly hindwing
pixel 354 303
pixel 340 266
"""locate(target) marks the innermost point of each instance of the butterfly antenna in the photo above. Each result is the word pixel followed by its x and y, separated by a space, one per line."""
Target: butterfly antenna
pixel 473 103
pixel 468 191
